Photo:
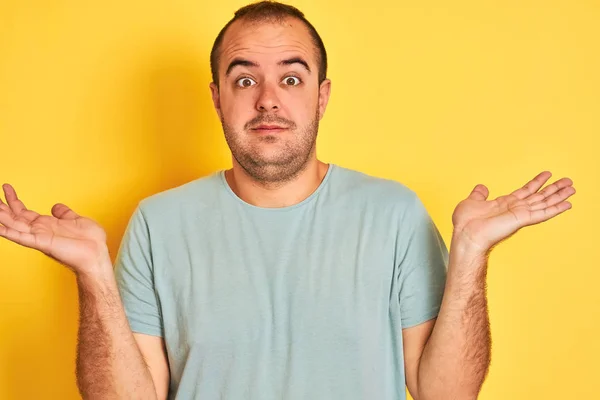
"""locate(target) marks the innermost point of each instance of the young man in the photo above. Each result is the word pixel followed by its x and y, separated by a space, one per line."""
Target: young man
pixel 283 277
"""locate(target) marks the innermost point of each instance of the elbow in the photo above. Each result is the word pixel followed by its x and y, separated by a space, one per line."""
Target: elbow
pixel 445 395
pixel 438 392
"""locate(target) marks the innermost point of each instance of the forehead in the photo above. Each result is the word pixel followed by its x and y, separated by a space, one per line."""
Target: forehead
pixel 267 39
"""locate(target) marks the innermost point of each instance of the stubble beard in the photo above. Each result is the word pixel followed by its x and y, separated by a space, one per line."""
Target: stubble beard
pixel 288 162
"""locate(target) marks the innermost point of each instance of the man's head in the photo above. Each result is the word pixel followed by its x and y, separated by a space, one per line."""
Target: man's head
pixel 269 70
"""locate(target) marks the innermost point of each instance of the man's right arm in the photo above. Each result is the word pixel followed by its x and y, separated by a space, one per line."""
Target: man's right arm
pixel 111 361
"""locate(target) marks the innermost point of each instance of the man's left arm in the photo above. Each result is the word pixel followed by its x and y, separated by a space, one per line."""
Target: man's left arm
pixel 449 357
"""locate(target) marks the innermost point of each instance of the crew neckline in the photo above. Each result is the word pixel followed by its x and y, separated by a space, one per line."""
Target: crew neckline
pixel 312 196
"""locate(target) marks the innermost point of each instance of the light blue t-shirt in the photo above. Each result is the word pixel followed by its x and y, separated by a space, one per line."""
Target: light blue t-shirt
pixel 301 302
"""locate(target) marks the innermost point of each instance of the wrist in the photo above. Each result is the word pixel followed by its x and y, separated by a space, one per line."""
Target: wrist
pixel 101 275
pixel 463 245
pixel 466 259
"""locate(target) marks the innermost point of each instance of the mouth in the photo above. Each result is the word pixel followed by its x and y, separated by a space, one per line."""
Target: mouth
pixel 269 129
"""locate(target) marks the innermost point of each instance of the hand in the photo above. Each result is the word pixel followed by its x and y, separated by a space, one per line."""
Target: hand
pixel 77 242
pixel 483 223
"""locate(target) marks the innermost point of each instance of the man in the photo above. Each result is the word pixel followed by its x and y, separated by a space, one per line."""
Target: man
pixel 283 277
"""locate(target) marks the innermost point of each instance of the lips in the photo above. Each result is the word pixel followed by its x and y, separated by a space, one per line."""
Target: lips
pixel 268 127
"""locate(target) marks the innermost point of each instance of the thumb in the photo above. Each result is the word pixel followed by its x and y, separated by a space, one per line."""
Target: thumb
pixel 61 211
pixel 480 192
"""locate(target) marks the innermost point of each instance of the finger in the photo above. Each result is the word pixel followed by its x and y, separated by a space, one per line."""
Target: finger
pixel 554 199
pixel 480 192
pixel 4 207
pixel 550 212
pixel 26 215
pixel 62 211
pixel 13 201
pixel 7 219
pixel 22 238
pixel 549 190
pixel 532 186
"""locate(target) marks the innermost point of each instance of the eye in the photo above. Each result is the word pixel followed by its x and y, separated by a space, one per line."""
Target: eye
pixel 292 81
pixel 245 82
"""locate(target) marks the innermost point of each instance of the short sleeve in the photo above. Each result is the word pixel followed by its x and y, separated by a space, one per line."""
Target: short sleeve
pixel 135 278
pixel 422 267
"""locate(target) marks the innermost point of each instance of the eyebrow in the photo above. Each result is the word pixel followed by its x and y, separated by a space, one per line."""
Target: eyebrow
pixel 247 63
pixel 295 60
pixel 239 61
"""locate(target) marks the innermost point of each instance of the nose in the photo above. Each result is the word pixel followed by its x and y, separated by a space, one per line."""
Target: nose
pixel 267 99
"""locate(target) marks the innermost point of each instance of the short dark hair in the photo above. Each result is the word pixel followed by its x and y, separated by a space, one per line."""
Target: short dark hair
pixel 268 11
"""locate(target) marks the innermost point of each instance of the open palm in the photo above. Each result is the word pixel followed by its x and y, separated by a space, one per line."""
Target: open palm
pixel 486 223
pixel 75 241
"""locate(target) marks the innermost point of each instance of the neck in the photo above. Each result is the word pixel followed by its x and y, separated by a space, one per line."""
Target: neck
pixel 276 195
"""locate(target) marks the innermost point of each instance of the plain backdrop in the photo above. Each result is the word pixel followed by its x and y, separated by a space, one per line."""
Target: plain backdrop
pixel 105 103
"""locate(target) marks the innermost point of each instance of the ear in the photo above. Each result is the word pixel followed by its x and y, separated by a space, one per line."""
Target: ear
pixel 324 93
pixel 214 91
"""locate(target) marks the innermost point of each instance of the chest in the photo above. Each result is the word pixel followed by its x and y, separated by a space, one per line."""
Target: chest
pixel 246 283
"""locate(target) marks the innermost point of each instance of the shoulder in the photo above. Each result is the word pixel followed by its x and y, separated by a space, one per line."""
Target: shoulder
pixel 365 188
pixel 199 193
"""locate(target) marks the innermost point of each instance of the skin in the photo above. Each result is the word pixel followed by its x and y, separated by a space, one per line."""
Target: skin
pixel 447 357
pixel 271 169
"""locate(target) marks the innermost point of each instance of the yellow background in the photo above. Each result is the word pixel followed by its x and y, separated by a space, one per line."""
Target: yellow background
pixel 105 103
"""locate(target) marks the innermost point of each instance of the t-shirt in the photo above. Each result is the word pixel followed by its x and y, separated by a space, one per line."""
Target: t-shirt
pixel 300 302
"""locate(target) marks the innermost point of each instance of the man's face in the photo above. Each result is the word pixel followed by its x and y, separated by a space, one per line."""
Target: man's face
pixel 269 99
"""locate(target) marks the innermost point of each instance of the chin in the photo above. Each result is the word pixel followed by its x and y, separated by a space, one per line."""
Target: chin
pixel 273 168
